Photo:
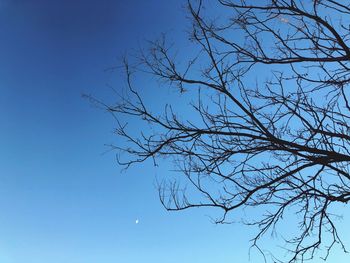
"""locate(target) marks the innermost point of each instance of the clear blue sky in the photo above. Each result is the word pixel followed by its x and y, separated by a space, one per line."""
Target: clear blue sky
pixel 61 199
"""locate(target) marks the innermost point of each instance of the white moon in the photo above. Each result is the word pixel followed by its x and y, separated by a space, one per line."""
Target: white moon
pixel 136 221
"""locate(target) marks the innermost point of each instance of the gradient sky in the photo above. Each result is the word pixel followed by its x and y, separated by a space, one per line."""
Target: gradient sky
pixel 61 198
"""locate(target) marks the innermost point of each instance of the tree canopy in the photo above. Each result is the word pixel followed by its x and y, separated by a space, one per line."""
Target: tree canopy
pixel 269 123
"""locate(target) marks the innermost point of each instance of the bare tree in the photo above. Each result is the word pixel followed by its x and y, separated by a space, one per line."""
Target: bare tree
pixel 270 122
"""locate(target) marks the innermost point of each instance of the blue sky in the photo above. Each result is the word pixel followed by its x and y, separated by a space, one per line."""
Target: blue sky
pixel 61 198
